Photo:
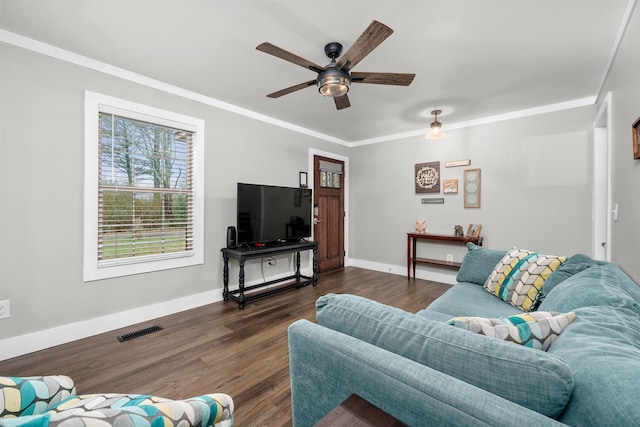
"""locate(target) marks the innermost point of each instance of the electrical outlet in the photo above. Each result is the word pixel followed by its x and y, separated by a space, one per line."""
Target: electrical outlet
pixel 5 309
pixel 449 257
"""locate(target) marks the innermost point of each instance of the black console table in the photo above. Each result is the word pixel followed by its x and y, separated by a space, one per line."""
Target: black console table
pixel 242 254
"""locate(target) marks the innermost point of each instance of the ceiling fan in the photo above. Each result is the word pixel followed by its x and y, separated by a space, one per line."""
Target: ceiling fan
pixel 334 79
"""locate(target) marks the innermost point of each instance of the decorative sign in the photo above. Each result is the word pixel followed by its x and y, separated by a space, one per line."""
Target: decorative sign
pixel 427 177
pixel 456 163
pixel 433 201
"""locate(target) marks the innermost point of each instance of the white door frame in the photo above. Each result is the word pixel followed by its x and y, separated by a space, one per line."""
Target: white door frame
pixel 602 204
pixel 310 168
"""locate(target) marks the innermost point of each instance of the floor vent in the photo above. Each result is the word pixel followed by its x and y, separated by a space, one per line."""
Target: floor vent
pixel 141 332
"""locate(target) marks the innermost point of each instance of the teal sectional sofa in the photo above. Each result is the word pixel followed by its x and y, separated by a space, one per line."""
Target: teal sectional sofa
pixel 425 371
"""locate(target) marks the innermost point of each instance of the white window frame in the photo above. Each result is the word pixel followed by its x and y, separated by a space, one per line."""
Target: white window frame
pixel 94 103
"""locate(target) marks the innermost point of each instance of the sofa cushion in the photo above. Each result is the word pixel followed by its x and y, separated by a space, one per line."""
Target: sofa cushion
pixel 605 285
pixel 533 379
pixel 602 348
pixel 478 263
pixel 573 265
pixel 536 330
pixel 519 276
pixel 467 299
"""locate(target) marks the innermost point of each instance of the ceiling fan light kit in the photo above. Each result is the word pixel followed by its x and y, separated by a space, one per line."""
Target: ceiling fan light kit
pixel 333 82
pixel 335 79
pixel 435 129
pixel 333 85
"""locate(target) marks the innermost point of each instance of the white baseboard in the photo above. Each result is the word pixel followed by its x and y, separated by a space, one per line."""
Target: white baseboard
pixel 39 340
pixel 449 278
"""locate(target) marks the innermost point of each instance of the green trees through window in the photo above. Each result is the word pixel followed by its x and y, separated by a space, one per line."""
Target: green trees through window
pixel 145 189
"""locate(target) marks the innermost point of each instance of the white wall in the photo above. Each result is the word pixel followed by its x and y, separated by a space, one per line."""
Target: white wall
pixel 624 84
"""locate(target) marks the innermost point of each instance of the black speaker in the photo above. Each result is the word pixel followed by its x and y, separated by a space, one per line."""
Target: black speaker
pixel 231 237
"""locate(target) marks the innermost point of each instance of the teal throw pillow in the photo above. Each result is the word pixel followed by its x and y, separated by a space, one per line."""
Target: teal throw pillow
pixel 574 264
pixel 478 264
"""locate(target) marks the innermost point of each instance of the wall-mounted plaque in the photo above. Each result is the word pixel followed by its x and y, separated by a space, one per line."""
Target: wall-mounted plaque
pixel 427 177
pixel 433 201
pixel 456 163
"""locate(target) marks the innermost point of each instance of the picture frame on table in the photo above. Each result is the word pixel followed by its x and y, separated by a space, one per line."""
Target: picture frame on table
pixel 474 230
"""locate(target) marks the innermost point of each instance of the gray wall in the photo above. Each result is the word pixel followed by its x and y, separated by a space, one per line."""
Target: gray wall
pixel 535 188
pixel 41 183
pixel 624 84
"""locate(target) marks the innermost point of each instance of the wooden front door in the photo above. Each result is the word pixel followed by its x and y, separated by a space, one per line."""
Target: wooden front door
pixel 328 212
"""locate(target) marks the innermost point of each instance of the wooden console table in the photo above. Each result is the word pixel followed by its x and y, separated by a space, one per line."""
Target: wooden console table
pixel 242 254
pixel 412 259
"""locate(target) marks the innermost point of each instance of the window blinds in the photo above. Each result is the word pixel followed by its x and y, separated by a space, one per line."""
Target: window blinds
pixel 145 191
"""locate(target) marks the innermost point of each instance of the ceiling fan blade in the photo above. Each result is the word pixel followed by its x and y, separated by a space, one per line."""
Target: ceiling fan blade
pixel 397 79
pixel 342 102
pixel 375 34
pixel 294 88
pixel 288 56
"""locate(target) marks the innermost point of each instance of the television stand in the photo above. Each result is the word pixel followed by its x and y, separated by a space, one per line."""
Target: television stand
pixel 242 254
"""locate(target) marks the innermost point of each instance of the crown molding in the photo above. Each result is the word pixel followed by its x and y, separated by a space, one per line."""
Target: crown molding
pixel 576 103
pixel 36 46
pixel 27 43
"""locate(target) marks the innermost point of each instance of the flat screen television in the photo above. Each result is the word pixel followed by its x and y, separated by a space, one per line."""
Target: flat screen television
pixel 268 214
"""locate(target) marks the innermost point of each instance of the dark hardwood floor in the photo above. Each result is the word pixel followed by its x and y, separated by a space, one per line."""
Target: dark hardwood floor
pixel 217 347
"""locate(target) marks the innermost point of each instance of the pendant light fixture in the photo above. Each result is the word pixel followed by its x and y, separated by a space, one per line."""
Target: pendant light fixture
pixel 435 130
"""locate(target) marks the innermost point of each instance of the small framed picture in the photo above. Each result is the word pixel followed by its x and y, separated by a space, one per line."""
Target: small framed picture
pixel 450 186
pixel 635 129
pixel 474 230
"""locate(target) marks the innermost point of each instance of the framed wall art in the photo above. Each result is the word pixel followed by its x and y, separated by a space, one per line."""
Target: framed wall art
pixel 450 186
pixel 472 188
pixel 427 177
pixel 635 128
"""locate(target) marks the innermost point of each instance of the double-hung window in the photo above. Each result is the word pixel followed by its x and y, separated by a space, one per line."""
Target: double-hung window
pixel 143 188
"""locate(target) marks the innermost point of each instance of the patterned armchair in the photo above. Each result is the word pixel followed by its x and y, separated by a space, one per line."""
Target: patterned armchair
pixel 51 401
